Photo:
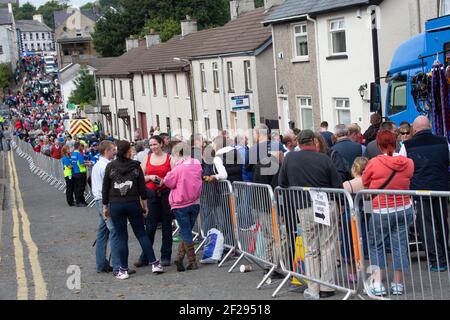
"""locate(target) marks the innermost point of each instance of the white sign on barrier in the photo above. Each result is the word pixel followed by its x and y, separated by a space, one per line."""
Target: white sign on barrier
pixel 321 207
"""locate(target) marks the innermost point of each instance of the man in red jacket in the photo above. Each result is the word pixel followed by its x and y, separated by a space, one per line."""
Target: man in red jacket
pixel 55 151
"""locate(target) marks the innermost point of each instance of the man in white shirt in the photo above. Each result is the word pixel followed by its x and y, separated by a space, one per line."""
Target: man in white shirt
pixel 105 227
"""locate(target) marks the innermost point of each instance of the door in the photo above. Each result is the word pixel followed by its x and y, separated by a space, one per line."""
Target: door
pixel 143 124
pixel 283 114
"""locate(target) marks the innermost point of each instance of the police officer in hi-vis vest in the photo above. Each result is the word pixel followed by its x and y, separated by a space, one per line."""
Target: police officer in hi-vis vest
pixel 68 176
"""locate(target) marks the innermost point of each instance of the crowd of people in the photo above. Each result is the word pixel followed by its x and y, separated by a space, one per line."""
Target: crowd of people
pixel 157 180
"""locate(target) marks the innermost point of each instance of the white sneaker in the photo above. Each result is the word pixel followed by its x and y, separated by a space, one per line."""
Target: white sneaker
pixel 376 289
pixel 157 267
pixel 122 275
pixel 310 295
pixel 397 289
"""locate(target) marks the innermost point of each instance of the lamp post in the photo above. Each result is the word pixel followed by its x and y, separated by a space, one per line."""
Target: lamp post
pixel 362 90
pixel 192 95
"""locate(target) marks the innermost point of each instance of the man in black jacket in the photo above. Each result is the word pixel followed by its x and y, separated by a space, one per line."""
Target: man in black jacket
pixel 431 158
pixel 344 152
pixel 310 168
pixel 372 131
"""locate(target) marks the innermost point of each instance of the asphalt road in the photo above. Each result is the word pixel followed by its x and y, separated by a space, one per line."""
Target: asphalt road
pixel 44 242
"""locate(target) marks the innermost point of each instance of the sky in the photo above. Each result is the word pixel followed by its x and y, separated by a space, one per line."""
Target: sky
pixel 37 3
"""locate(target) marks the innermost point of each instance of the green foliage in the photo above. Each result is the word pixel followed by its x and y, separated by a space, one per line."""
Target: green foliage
pixel 85 88
pixel 88 6
pixel 24 12
pixel 110 34
pixel 49 7
pixel 105 4
pixel 259 3
pixel 166 28
pixel 5 75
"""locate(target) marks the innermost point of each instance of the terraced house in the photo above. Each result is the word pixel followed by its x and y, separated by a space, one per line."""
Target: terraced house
pixel 324 54
pixel 204 80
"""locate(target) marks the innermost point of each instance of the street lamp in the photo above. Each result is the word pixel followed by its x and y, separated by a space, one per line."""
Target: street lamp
pixel 192 95
pixel 362 90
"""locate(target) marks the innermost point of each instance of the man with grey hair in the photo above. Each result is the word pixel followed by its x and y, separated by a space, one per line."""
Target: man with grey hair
pixel 430 154
pixel 141 154
pixel 344 152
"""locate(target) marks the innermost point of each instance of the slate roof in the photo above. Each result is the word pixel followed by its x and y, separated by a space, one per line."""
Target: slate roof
pixel 294 8
pixel 5 17
pixel 244 34
pixel 61 16
pixel 32 25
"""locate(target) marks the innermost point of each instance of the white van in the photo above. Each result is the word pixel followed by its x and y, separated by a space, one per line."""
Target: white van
pixel 49 60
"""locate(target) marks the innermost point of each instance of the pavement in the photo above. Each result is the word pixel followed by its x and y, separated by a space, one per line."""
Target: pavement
pixel 45 244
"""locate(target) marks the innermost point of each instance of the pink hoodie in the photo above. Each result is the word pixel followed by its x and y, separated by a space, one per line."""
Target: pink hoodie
pixel 185 182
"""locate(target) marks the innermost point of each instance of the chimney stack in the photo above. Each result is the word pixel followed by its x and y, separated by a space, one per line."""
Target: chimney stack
pixel 188 26
pixel 153 38
pixel 270 3
pixel 38 17
pixel 131 43
pixel 238 7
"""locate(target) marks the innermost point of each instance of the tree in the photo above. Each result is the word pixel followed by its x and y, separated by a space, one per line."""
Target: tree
pixel 110 33
pixel 105 4
pixel 84 92
pixel 48 8
pixel 88 6
pixel 24 12
pixel 5 76
pixel 166 28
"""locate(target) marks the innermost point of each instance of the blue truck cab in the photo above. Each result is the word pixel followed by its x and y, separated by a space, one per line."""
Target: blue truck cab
pixel 415 56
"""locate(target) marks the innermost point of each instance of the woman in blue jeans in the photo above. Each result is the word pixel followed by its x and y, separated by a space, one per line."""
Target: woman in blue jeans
pixel 124 199
pixel 185 182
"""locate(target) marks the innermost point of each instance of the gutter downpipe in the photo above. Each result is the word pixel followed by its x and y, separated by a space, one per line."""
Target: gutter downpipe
pixel 319 77
pixel 224 95
pixel 116 122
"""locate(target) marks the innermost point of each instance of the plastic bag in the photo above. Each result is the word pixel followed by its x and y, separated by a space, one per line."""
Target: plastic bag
pixel 213 247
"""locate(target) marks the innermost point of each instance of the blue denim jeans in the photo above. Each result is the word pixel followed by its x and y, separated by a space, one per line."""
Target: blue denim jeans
pixel 186 218
pixel 159 211
pixel 132 210
pixel 392 227
pixel 105 231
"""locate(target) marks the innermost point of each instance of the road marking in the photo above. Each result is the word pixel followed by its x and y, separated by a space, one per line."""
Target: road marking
pixel 40 286
pixel 22 288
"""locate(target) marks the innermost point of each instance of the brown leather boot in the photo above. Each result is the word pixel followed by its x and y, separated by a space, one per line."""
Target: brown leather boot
pixel 191 257
pixel 180 256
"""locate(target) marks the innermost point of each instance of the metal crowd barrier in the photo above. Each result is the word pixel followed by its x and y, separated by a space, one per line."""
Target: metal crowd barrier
pixel 316 244
pixel 407 244
pixel 48 169
pixel 256 224
pixel 216 211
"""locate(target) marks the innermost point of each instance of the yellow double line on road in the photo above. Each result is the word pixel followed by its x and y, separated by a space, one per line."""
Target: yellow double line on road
pixel 18 212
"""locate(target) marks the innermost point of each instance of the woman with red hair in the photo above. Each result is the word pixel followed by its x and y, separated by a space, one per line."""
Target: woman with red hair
pixel 391 214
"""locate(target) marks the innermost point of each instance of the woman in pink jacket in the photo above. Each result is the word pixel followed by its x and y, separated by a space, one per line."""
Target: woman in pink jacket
pixel 391 214
pixel 185 182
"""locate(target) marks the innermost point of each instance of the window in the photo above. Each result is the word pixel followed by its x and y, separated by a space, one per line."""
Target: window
pixel 230 76
pixel 37 36
pixel 142 85
pixel 219 120
pixel 337 30
pixel 163 77
pixel 78 34
pixel 157 121
pixel 445 7
pixel 168 124
pixel 131 90
pixel 154 84
pixel 31 36
pixel 176 84
pixel 343 110
pixel 202 76
pixel 112 89
pixel 26 46
pixel 397 95
pixel 121 90
pixel 43 36
pixel 104 88
pixel 306 114
pixel 1 49
pixel 215 76
pixel 301 41
pixel 24 36
pixel 179 123
pixel 248 76
pixel 207 128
